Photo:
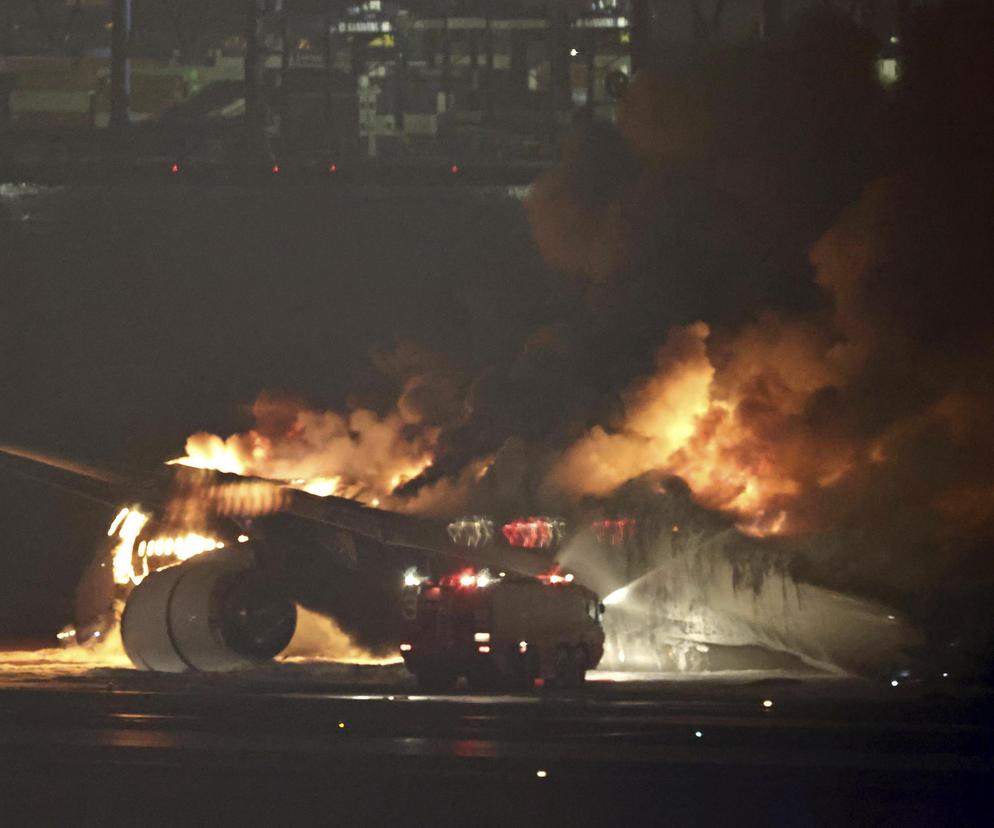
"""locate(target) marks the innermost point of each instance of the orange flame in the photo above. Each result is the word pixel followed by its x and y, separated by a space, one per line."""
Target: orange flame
pixel 730 429
pixel 161 551
pixel 360 455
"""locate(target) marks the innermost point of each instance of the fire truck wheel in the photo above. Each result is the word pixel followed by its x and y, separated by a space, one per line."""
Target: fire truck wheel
pixel 564 668
pixel 483 679
pixel 437 681
pixel 525 668
pixel 580 662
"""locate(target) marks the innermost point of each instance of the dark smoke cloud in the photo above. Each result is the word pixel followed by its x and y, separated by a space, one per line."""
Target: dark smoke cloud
pixel 819 248
pixel 838 240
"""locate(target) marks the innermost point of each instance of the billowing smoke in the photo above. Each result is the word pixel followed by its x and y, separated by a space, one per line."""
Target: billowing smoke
pixel 777 296
pixel 854 418
pixel 871 412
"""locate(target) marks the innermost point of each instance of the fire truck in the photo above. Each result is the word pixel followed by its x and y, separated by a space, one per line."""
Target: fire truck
pixel 500 631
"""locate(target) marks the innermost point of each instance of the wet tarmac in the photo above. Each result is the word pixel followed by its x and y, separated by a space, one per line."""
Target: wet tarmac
pixel 293 745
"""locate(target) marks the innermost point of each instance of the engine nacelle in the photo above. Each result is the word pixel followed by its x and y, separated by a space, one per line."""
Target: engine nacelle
pixel 212 613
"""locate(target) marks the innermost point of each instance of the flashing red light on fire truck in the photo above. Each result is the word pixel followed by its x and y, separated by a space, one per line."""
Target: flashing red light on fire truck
pixel 469 579
pixel 556 576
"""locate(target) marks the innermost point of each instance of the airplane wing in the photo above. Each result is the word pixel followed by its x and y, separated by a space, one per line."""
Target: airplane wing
pixel 237 497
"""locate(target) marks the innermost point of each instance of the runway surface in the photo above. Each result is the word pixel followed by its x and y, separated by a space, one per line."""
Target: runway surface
pixel 306 743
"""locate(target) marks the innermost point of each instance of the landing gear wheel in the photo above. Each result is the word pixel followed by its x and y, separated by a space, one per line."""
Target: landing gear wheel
pixel 484 678
pixel 580 662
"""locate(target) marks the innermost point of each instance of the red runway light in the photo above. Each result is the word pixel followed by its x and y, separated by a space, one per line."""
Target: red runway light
pixel 454 168
pixel 174 169
pixel 333 168
pixel 276 168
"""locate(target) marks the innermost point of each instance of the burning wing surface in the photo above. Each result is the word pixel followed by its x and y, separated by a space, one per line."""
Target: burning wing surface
pixel 271 547
pixel 191 494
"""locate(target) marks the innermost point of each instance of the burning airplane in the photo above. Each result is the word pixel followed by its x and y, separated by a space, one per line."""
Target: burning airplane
pixel 210 568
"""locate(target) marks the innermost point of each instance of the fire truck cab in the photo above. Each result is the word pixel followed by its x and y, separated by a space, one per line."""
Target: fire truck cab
pixel 500 631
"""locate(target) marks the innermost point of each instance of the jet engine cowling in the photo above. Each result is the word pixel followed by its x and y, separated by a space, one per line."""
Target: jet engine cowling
pixel 211 613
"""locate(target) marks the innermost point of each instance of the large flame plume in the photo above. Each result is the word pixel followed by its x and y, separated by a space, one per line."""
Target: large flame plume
pixel 728 424
pixel 359 455
pixel 132 560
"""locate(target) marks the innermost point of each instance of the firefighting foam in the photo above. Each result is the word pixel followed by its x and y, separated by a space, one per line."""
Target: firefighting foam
pixel 709 598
